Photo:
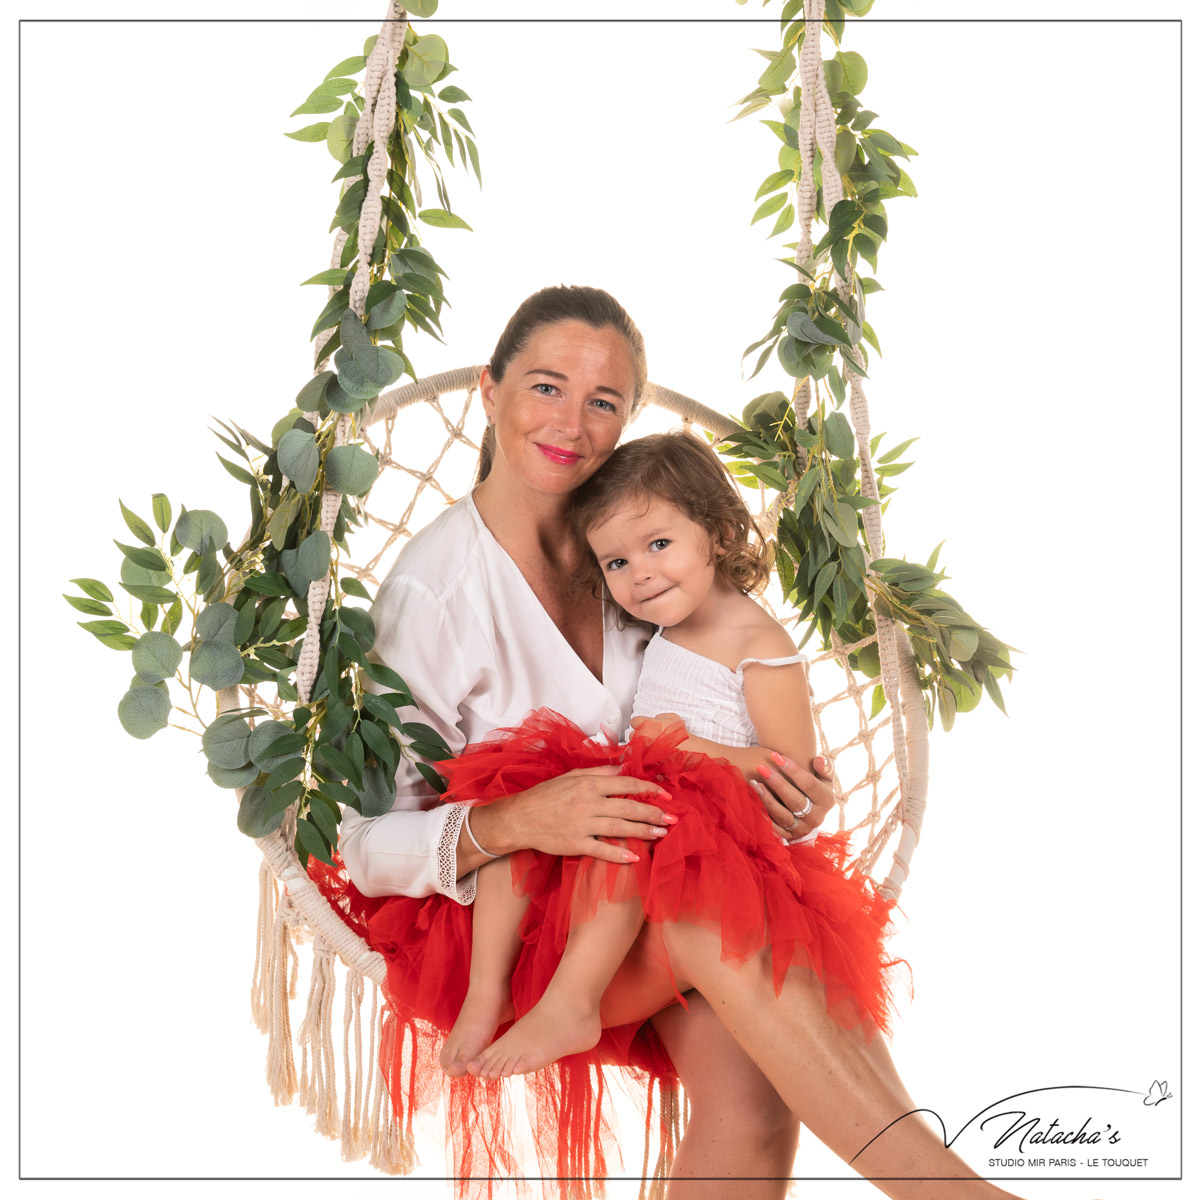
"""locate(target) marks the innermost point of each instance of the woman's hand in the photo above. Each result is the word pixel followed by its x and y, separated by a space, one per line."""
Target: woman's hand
pixel 795 797
pixel 570 813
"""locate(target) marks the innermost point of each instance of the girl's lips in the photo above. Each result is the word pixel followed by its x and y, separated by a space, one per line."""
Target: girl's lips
pixel 554 454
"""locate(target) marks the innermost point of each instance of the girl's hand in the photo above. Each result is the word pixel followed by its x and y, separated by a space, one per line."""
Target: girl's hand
pixel 570 813
pixel 657 726
pixel 796 798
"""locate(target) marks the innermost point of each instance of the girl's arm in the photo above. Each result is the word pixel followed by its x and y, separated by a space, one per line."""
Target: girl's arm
pixel 777 702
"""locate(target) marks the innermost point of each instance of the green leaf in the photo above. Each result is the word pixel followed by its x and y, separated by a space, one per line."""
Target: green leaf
pixel 217 665
pixel 385 676
pixel 173 618
pixel 217 623
pixel 313 555
pixel 379 742
pixel 350 470
pixel 139 528
pixel 421 8
pixel 270 583
pixel 226 742
pixel 854 71
pixel 425 60
pixel 104 628
pixel 262 740
pixel 92 607
pixel 144 711
pixel 197 524
pixel 353 587
pixel 442 219
pixel 376 795
pixel 784 221
pixel 317 103
pixel 453 95
pixel 150 560
pixel 239 473
pixel 94 588
pixel 431 777
pixel 232 777
pixel 339 136
pixel 348 66
pixel 311 133
pixel 162 511
pixel 387 311
pixel 773 183
pixel 964 642
pixel 769 206
pixel 299 458
pixel 254 819
pixel 457 114
pixel 334 277
pixel 878 700
pixel 839 437
pixel 311 841
pixel 895 453
pixel 156 656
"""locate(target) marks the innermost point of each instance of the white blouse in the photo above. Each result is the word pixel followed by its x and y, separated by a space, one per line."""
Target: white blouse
pixel 458 621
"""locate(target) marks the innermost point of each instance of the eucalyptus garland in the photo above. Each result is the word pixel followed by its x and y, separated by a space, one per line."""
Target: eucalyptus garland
pixel 214 615
pixel 818 334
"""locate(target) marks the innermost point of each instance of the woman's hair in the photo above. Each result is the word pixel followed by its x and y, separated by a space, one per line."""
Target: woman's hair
pixel 590 305
pixel 684 471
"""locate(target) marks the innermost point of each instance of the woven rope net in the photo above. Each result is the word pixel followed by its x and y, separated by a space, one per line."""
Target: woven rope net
pixel 427 435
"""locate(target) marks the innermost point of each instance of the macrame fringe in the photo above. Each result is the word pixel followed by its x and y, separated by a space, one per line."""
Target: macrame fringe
pixel 671 1112
pixel 366 1124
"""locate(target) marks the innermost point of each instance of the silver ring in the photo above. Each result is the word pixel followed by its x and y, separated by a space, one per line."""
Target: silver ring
pixel 795 822
pixel 805 810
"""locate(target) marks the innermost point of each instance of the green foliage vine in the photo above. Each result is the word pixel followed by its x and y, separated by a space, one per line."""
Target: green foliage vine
pixel 818 335
pixel 214 615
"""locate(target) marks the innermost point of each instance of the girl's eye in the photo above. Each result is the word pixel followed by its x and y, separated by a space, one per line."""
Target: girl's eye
pixel 660 543
pixel 614 564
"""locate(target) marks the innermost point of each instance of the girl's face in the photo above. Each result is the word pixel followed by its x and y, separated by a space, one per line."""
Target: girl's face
pixel 561 405
pixel 660 566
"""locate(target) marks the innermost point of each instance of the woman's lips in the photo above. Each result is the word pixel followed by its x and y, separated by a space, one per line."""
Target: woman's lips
pixel 558 455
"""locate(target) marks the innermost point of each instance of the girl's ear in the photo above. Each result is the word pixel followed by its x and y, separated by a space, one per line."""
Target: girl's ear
pixel 721 544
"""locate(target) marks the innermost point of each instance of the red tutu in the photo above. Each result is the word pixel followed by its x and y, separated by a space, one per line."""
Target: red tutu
pixel 721 866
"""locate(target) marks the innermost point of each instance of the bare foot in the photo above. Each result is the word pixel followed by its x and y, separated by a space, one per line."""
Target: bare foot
pixel 483 1010
pixel 555 1026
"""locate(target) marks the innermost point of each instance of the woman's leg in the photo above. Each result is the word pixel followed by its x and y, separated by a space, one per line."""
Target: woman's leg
pixel 842 1086
pixel 738 1127
pixel 495 944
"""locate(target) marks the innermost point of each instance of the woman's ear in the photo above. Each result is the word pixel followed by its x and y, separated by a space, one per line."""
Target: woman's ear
pixel 487 389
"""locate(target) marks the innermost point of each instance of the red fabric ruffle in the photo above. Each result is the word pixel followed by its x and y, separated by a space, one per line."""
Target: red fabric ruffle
pixel 721 867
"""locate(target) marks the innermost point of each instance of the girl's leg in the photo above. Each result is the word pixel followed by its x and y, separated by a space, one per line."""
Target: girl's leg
pixel 738 1126
pixel 842 1086
pixel 495 944
pixel 566 1020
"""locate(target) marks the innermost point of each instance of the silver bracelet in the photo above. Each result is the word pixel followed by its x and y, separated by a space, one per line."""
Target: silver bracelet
pixel 474 839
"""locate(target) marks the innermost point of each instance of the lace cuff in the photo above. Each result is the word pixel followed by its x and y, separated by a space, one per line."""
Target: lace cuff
pixel 462 890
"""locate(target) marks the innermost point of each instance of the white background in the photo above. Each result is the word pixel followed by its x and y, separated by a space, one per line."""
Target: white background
pixel 1030 330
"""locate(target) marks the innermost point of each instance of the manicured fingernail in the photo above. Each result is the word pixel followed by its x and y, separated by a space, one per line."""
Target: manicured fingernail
pixel 669 819
pixel 778 759
pixel 629 856
pixel 764 770
pixel 657 831
pixel 758 787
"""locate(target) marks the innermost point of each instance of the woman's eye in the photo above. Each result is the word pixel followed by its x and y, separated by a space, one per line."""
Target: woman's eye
pixel 606 405
pixel 549 389
pixel 614 564
pixel 660 543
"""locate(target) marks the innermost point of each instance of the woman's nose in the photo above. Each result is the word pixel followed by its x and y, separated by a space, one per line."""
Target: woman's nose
pixel 568 417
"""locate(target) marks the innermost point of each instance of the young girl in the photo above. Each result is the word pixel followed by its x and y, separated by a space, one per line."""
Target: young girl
pixel 721 679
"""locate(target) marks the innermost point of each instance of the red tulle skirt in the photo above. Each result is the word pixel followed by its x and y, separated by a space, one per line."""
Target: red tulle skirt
pixel 721 867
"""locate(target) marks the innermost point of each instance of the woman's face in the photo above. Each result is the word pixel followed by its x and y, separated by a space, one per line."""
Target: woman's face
pixel 561 406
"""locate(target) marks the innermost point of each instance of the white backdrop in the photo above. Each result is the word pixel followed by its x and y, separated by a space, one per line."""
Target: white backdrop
pixel 1031 339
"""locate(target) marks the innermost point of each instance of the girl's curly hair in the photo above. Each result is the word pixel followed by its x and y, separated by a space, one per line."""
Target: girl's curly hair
pixel 684 471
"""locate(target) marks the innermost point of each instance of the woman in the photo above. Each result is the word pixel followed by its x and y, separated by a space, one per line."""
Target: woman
pixel 483 617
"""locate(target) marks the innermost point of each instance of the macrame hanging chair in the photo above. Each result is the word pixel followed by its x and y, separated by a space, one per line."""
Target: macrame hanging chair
pixel 881 762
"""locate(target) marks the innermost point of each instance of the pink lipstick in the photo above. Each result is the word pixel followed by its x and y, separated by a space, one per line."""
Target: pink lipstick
pixel 556 455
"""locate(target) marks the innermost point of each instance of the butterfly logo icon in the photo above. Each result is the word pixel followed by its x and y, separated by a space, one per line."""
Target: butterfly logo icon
pixel 1157 1094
